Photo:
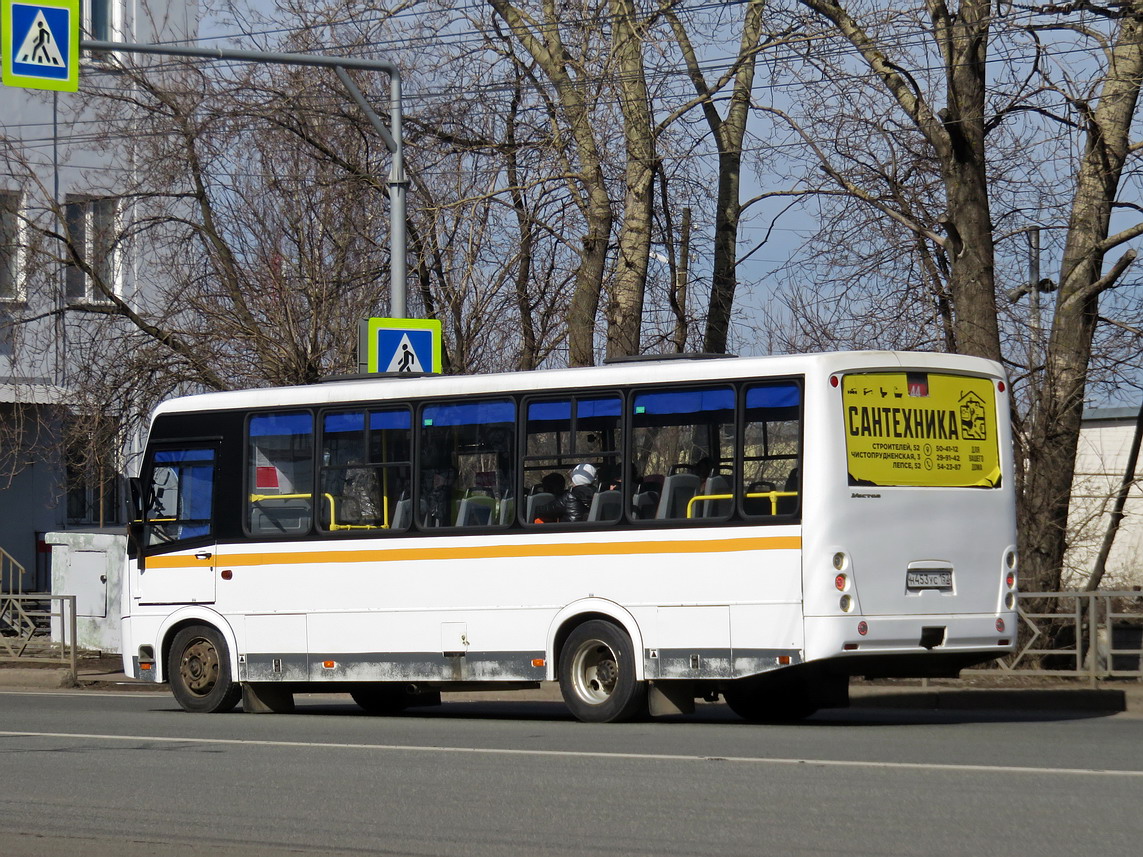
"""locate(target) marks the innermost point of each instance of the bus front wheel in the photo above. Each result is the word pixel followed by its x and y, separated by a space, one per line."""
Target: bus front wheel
pixel 199 671
pixel 597 674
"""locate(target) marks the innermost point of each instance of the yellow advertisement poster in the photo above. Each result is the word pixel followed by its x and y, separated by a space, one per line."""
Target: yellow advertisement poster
pixel 920 428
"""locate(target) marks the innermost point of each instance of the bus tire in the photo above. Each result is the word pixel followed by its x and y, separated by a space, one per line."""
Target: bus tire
pixel 198 668
pixel 597 675
pixel 769 703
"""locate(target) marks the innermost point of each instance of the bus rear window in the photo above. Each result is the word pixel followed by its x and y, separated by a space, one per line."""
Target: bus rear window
pixel 921 429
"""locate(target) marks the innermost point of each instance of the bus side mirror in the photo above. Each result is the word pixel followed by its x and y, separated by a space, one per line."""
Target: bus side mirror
pixel 136 486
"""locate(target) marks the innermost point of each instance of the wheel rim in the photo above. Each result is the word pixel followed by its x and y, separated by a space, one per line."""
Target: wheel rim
pixel 595 672
pixel 199 667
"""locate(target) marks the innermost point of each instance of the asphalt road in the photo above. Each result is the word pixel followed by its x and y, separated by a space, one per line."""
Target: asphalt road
pixel 131 775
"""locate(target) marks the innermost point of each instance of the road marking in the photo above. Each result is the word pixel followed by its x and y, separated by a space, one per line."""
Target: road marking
pixel 585 754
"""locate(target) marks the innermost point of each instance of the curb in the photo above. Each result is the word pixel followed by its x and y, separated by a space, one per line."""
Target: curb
pixel 1007 699
pixel 37 678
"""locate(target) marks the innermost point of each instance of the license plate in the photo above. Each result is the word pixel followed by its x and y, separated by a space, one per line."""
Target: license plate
pixel 929 579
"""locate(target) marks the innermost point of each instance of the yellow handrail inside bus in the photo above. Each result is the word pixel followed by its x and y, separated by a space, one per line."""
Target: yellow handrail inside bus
pixel 773 495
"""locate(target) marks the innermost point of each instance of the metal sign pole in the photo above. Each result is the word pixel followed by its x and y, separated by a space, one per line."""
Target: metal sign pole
pixel 392 136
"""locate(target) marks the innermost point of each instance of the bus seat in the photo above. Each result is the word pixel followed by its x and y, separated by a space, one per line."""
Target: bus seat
pixel 402 514
pixel 507 511
pixel 678 489
pixel 789 505
pixel 645 500
pixel 716 484
pixel 475 512
pixel 758 505
pixel 537 501
pixel 606 506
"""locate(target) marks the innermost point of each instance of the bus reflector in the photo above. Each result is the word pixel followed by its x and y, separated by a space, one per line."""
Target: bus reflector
pixel 784 659
pixel 539 662
pixel 850 647
pixel 145 665
pixel 329 665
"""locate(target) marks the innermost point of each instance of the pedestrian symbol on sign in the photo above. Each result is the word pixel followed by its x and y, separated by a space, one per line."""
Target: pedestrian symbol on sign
pixel 405 358
pixel 39 46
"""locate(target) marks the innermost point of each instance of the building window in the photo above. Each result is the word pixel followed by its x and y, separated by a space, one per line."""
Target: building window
pixel 91 227
pixel 9 246
pixel 99 19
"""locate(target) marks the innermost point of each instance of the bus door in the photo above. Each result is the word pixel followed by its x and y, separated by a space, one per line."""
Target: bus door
pixel 177 551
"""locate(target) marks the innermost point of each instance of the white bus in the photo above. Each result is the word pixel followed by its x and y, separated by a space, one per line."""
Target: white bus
pixel 758 529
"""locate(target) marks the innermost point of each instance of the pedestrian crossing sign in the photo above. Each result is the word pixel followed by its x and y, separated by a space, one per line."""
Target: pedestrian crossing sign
pixel 40 43
pixel 401 345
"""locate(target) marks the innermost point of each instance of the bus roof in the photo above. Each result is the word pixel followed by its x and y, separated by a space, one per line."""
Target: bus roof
pixel 668 369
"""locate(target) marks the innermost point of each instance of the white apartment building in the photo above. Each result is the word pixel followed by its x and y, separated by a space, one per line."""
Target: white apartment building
pixel 59 174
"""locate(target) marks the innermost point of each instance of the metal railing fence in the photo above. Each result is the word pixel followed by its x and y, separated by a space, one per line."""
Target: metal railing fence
pixel 25 628
pixel 1088 635
pixel 11 574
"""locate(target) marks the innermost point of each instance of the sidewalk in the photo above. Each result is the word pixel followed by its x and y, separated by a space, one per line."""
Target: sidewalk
pixel 1013 693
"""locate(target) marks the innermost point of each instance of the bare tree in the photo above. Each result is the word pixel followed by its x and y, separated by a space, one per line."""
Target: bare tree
pixel 962 135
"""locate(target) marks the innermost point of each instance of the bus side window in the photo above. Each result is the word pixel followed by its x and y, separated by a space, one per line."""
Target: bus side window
pixel 280 477
pixel 467 464
pixel 179 498
pixel 365 471
pixel 772 450
pixel 562 433
pixel 685 437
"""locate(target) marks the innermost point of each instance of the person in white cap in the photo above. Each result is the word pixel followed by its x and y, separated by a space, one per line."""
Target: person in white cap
pixel 575 503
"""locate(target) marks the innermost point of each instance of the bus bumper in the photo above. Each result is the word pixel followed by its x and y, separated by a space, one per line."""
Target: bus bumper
pixel 909 646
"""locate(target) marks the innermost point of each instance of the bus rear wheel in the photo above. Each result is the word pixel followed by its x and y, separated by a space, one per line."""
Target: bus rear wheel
pixel 597 675
pixel 198 668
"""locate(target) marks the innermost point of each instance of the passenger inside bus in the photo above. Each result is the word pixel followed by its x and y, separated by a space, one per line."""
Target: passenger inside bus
pixel 574 504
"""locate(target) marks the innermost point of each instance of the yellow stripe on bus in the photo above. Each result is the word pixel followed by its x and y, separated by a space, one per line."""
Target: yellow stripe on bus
pixel 483 552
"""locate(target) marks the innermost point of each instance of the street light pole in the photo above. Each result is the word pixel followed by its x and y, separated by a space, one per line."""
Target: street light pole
pixel 392 137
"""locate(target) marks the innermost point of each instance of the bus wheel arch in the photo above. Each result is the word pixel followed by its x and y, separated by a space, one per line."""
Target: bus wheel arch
pixel 587 610
pixel 198 660
pixel 183 618
pixel 598 671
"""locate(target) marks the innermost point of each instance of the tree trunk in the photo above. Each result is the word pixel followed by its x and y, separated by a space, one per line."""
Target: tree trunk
pixel 552 57
pixel 1056 425
pixel 728 133
pixel 625 310
pixel 963 42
